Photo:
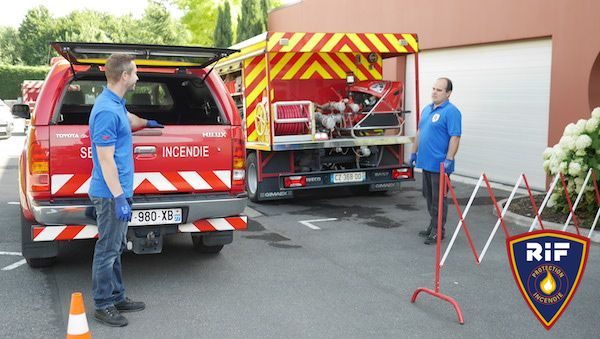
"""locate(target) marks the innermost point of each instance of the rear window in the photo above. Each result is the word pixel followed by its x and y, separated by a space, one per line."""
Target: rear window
pixel 171 101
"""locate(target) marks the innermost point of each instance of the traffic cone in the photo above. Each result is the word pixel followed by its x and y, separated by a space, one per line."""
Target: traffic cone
pixel 78 326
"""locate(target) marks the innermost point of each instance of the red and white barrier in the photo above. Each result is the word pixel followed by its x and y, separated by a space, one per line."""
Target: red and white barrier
pixel 445 185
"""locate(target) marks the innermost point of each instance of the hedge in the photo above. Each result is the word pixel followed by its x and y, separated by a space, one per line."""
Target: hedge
pixel 11 78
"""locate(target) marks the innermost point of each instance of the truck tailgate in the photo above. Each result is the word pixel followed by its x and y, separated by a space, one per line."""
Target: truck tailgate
pixel 176 159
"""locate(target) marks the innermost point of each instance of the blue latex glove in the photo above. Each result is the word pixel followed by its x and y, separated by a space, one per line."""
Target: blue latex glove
pixel 154 124
pixel 413 159
pixel 449 166
pixel 122 208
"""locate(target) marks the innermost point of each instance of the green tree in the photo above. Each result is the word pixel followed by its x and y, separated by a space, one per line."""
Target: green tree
pixel 157 26
pixel 8 46
pixel 35 32
pixel 250 20
pixel 199 18
pixel 223 35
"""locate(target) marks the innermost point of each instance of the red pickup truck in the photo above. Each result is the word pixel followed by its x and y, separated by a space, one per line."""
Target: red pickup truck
pixel 189 176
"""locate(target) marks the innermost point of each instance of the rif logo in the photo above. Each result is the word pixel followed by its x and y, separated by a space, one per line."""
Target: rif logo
pixel 548 267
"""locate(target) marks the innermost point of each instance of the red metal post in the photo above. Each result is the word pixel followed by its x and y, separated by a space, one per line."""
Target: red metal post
pixel 436 292
pixel 418 105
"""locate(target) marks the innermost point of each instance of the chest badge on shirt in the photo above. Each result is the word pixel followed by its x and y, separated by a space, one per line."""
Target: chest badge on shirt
pixel 435 117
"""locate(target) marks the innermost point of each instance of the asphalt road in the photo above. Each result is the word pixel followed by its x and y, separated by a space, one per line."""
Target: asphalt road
pixel 351 276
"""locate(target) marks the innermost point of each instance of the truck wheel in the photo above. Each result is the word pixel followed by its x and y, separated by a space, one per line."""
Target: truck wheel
pixel 200 247
pixel 252 185
pixel 37 255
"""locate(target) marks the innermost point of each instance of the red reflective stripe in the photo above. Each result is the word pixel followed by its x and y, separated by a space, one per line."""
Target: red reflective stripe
pixel 204 226
pixel 37 231
pixel 237 223
pixel 69 232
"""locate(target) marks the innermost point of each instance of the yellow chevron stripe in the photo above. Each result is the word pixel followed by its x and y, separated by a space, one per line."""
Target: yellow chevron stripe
pixel 350 64
pixel 282 62
pixel 332 42
pixel 313 42
pixel 290 74
pixel 392 39
pixel 258 71
pixel 365 63
pixel 358 42
pixel 253 136
pixel 274 40
pixel 334 66
pixel 315 68
pixel 250 118
pixel 346 49
pixel 254 95
pixel 293 42
pixel 411 41
pixel 377 43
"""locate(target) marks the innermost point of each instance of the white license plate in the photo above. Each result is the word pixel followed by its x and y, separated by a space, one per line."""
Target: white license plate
pixel 156 217
pixel 338 178
pixel 2 129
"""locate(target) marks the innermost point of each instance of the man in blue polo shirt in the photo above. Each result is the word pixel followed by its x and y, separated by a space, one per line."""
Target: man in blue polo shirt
pixel 436 143
pixel 111 187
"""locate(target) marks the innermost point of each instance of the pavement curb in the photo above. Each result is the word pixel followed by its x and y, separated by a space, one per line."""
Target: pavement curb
pixel 525 222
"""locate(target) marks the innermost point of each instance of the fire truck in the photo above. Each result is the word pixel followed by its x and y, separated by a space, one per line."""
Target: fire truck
pixel 30 89
pixel 317 113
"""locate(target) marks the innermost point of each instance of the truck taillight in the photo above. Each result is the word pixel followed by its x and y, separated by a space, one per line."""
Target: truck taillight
pixel 294 181
pixel 39 157
pixel 402 173
pixel 238 171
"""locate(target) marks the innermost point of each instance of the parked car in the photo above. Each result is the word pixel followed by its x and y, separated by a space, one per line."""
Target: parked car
pixel 6 121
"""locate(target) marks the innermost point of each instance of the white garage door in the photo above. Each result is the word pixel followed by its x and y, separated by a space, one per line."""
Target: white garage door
pixel 503 92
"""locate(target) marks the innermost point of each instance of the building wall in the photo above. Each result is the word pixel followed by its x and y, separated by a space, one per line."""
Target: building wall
pixel 573 26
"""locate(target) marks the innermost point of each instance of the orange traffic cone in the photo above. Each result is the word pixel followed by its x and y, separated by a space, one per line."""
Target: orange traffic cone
pixel 78 326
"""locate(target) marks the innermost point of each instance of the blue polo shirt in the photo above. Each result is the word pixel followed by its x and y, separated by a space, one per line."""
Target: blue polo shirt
pixel 109 126
pixel 436 127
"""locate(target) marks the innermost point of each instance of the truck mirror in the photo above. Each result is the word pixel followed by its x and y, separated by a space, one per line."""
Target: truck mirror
pixel 21 111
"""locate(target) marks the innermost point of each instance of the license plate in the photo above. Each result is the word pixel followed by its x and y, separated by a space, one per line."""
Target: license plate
pixel 2 129
pixel 338 178
pixel 156 217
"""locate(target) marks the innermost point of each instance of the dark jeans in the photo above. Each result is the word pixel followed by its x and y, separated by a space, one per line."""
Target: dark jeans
pixel 107 281
pixel 431 189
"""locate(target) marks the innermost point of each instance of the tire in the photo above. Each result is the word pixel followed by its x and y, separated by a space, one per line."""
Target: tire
pixel 252 184
pixel 37 255
pixel 201 248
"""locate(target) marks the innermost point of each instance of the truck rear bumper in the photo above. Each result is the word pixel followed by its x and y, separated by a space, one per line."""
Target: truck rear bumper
pixel 76 232
pixel 196 207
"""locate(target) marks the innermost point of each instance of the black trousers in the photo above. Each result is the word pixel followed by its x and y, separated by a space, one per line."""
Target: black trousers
pixel 431 189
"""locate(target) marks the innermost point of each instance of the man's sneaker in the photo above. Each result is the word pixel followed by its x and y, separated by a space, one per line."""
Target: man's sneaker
pixel 432 238
pixel 129 305
pixel 111 317
pixel 425 233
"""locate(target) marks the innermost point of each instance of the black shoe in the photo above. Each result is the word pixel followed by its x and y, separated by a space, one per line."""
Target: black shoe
pixel 432 238
pixel 129 305
pixel 111 317
pixel 425 234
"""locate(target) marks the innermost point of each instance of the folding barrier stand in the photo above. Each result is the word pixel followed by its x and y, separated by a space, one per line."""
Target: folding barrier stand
pixel 436 292
pixel 445 184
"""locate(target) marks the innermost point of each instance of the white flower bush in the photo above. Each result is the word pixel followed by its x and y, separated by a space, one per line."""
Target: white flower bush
pixel 577 151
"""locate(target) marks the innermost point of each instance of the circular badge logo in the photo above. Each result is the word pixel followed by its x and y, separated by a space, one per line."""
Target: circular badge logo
pixel 435 117
pixel 548 284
